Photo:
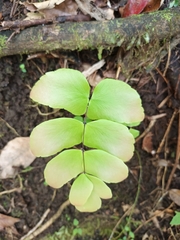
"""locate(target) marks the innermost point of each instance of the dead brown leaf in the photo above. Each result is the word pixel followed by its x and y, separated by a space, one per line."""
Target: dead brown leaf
pixel 15 154
pixel 52 9
pixel 174 195
pixel 109 74
pixel 147 143
pixel 7 221
pixel 36 6
pixel 100 3
pixel 33 16
pixel 88 7
pixel 153 5
pixel 137 7
pixel 66 8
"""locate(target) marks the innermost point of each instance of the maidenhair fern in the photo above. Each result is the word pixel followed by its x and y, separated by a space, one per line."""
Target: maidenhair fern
pixel 100 129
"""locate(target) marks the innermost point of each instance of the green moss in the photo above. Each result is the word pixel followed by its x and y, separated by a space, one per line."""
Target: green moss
pixel 100 50
pixel 132 43
pixel 16 213
pixel 3 40
pixel 146 37
pixel 86 229
pixel 168 16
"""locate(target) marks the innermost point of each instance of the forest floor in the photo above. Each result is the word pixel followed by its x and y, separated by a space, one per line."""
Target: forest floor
pixel 142 205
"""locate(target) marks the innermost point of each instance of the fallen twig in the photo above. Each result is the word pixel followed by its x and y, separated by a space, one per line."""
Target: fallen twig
pixel 151 124
pixel 94 34
pixel 93 68
pixel 166 133
pixel 47 224
pixel 177 157
pixel 31 232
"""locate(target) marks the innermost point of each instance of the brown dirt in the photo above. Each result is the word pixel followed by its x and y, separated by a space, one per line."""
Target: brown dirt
pixel 17 111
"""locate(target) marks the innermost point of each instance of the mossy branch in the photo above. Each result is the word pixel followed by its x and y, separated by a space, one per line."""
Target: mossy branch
pixel 126 32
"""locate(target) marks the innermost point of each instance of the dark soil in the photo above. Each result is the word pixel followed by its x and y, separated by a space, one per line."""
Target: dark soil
pixel 145 187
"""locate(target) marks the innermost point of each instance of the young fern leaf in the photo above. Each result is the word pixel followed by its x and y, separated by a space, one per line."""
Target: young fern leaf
pixel 81 190
pixel 99 187
pixel 64 167
pixel 100 124
pixel 105 166
pixel 93 203
pixel 100 190
pixel 111 137
pixel 54 135
pixel 116 101
pixel 63 88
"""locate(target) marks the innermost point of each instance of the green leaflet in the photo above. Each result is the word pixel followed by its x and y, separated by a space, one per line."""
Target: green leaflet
pixel 64 167
pixel 93 203
pixel 80 191
pixel 111 137
pixel 54 135
pixel 116 101
pixel 87 199
pixel 63 88
pixel 99 187
pixel 105 166
pixel 176 219
pixel 134 132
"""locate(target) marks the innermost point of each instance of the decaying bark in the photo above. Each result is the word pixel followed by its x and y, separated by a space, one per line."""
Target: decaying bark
pixel 127 32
